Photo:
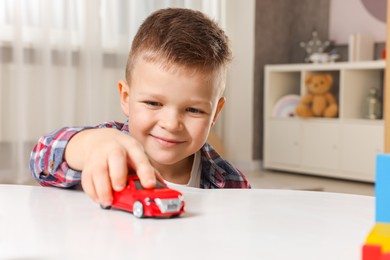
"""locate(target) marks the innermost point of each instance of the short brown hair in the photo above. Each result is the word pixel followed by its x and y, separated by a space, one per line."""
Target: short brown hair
pixel 183 37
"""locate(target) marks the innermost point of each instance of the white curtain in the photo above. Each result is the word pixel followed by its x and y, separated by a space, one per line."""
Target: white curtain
pixel 60 61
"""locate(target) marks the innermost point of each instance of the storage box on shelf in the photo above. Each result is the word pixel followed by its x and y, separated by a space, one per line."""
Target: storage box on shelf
pixel 342 147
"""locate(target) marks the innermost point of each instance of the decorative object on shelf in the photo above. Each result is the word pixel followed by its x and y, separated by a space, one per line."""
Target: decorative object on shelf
pixel 373 105
pixel 319 101
pixel 315 50
pixel 332 56
pixel 285 106
pixel 360 47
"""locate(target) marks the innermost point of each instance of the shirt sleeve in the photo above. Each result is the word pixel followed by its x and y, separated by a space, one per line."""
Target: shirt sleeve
pixel 218 173
pixel 47 164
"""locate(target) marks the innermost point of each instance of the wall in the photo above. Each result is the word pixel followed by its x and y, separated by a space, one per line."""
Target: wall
pixel 279 27
pixel 237 120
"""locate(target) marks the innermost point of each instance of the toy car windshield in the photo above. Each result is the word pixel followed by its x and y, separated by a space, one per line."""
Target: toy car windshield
pixel 159 185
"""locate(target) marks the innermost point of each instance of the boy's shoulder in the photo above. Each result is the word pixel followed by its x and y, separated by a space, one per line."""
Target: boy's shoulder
pixel 219 173
pixel 122 126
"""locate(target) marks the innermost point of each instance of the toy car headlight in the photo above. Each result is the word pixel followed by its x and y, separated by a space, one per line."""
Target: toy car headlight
pixel 148 201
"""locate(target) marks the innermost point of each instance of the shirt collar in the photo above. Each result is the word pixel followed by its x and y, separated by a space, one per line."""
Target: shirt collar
pixel 125 127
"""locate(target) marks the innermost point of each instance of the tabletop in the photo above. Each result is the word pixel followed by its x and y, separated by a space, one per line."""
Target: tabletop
pixel 52 223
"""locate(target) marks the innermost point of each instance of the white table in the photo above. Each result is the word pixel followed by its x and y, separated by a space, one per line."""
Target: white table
pixel 52 223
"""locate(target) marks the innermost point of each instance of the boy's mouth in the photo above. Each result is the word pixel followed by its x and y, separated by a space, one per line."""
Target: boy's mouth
pixel 166 142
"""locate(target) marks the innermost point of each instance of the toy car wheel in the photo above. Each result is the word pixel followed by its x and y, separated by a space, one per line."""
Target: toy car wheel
pixel 138 209
pixel 105 207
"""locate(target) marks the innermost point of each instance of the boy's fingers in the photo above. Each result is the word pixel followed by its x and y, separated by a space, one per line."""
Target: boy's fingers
pixel 117 166
pixel 143 168
pixel 102 185
pixel 87 184
pixel 147 176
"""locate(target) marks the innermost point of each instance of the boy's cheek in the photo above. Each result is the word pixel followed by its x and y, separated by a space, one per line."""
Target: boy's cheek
pixel 200 131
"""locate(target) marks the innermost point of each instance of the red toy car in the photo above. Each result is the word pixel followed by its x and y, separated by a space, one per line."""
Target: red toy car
pixel 158 202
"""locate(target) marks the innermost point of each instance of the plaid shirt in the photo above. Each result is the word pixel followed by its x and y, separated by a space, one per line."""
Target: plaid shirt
pixel 48 155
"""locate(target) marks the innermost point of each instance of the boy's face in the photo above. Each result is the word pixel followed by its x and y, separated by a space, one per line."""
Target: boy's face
pixel 171 111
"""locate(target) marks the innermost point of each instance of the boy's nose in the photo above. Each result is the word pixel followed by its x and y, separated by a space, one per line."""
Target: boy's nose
pixel 171 121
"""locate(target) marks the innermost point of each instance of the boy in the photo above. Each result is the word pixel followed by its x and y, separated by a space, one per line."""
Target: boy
pixel 172 96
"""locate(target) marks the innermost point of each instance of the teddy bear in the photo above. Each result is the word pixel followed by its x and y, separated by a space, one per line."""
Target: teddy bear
pixel 319 101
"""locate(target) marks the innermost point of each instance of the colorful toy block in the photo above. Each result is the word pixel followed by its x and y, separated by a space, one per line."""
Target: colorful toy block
pixel 371 252
pixel 382 188
pixel 380 235
pixel 377 246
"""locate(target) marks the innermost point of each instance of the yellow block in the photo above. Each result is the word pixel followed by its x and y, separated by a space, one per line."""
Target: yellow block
pixel 380 235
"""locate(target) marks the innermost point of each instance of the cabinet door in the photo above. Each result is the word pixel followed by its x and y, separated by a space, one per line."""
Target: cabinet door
pixel 320 144
pixel 284 141
pixel 361 144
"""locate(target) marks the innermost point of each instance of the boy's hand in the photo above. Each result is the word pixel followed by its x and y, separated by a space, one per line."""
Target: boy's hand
pixel 105 156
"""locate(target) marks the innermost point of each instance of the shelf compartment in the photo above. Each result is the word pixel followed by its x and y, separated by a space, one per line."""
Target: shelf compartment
pixel 356 86
pixel 343 147
pixel 280 85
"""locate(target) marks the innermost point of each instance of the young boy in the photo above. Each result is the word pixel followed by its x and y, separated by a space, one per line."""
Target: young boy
pixel 172 96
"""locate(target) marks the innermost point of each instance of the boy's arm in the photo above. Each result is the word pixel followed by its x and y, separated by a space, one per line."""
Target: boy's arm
pixel 104 155
pixel 47 162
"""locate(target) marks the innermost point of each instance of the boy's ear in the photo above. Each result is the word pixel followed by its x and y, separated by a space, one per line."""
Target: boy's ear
pixel 123 88
pixel 221 103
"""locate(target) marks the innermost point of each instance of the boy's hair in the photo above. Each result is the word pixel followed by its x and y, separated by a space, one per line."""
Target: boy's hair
pixel 180 37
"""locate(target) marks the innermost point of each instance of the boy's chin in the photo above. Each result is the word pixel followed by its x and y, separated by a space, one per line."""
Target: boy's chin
pixel 166 160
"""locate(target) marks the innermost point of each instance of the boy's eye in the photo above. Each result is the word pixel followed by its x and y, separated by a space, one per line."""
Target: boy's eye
pixel 152 103
pixel 194 110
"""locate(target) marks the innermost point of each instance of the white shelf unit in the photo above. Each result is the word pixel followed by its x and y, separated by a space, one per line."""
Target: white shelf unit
pixel 343 147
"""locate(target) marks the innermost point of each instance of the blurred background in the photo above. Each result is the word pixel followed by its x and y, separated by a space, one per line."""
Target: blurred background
pixel 60 61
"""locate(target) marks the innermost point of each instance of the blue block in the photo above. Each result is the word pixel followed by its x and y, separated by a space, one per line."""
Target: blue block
pixel 382 188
